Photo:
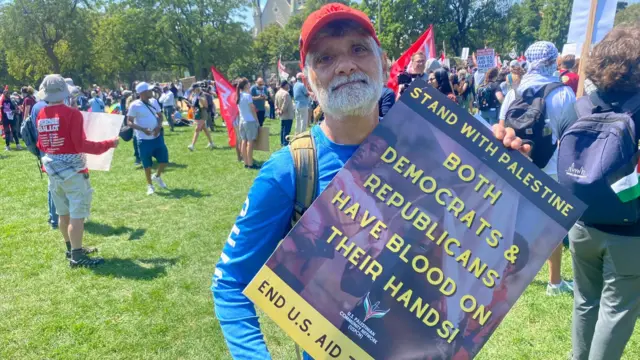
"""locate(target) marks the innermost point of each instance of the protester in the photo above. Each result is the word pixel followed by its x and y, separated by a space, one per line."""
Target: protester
pixel 9 126
pixel 29 100
pixel 53 216
pixel 260 96
pixel 302 103
pixel 440 80
pixel 211 109
pixel 271 93
pixel 200 114
pixel 387 99
pixel 567 76
pixel 248 122
pixel 605 265
pixel 560 113
pixel 168 102
pixel 350 115
pixel 464 90
pixel 490 96
pixel 284 109
pixel 62 139
pixel 96 104
pixel 236 124
pixel 145 118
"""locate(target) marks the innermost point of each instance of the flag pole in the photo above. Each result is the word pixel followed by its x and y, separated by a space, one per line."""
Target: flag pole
pixel 586 47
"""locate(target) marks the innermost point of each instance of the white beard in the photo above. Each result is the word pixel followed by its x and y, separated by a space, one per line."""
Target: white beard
pixel 357 99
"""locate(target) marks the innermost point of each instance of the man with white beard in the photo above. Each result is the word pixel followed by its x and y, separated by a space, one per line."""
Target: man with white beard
pixel 343 67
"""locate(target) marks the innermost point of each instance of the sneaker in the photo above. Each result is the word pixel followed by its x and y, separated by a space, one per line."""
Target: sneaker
pixel 565 287
pixel 159 181
pixel 54 226
pixel 85 250
pixel 85 261
pixel 191 147
pixel 210 146
pixel 19 147
pixel 137 164
pixel 150 190
pixel 6 148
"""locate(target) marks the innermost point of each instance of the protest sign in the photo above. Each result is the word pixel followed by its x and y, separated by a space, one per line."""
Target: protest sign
pixel 465 53
pixel 486 59
pixel 408 256
pixel 188 81
pixel 570 49
pixel 100 127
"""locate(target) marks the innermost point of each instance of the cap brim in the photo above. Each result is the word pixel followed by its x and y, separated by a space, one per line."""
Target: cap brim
pixel 341 15
pixel 56 97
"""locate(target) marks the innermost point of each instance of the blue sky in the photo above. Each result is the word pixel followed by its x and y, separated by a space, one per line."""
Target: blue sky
pixel 248 15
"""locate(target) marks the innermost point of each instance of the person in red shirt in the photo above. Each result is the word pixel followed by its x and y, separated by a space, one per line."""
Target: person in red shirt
pixel 567 76
pixel 63 142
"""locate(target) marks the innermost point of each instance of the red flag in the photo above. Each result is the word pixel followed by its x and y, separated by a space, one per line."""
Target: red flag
pixel 442 57
pixel 498 61
pixel 228 107
pixel 425 43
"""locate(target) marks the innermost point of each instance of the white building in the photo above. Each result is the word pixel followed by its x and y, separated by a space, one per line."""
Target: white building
pixel 274 12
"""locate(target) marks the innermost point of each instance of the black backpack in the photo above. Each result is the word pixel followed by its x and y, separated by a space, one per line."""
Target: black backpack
pixel 486 97
pixel 526 115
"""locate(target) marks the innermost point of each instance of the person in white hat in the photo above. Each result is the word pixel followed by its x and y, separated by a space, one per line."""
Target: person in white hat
pixel 62 140
pixel 145 117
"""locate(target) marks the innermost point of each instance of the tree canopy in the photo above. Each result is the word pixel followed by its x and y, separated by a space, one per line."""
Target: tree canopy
pixel 111 41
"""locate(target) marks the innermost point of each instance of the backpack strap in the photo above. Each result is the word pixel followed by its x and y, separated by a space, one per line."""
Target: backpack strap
pixel 547 89
pixel 303 151
pixel 632 106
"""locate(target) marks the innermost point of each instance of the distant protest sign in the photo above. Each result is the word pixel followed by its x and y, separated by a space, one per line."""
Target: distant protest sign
pixel 465 54
pixel 420 245
pixel 100 127
pixel 486 59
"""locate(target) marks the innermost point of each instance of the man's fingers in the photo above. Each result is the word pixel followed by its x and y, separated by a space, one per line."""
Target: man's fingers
pixel 509 136
pixel 525 149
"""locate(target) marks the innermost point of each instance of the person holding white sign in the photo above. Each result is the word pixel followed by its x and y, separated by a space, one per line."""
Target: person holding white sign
pixel 62 140
pixel 145 118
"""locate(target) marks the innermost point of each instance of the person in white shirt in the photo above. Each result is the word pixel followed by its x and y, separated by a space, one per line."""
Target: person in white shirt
pixel 248 122
pixel 168 105
pixel 145 118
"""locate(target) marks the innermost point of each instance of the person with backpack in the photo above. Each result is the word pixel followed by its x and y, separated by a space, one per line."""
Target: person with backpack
pixel 96 104
pixel 543 106
pixel 490 96
pixel 62 140
pixel 598 162
pixel 351 113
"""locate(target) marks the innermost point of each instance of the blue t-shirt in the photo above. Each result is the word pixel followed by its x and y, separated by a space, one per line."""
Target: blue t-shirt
pixel 96 105
pixel 35 110
pixel 255 91
pixel 265 219
pixel 300 95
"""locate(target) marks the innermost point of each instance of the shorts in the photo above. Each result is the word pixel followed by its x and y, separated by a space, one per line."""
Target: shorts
pixel 72 196
pixel 153 148
pixel 249 130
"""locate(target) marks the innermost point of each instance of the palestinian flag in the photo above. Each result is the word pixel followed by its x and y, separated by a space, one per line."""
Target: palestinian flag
pixel 625 181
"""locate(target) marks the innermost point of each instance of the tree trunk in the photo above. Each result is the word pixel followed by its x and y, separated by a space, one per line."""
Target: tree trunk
pixel 53 57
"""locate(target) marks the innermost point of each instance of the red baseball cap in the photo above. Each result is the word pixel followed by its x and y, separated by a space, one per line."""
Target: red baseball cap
pixel 326 14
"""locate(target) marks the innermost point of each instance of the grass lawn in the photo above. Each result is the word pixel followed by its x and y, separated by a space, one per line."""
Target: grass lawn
pixel 151 299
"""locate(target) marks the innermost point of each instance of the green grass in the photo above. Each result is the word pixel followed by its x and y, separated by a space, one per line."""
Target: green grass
pixel 151 300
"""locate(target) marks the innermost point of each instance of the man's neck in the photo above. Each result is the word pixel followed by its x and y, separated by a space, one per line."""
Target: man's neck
pixel 350 130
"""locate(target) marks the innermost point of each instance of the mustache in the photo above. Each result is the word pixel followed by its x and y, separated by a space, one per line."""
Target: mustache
pixel 342 80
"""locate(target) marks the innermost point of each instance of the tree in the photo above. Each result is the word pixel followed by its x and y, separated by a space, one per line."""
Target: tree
pixel 41 36
pixel 556 16
pixel 629 15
